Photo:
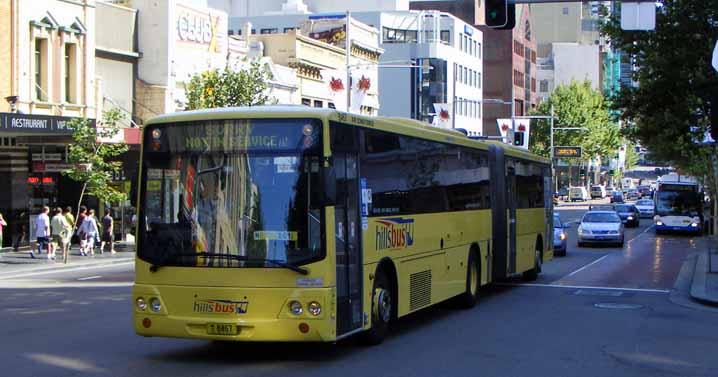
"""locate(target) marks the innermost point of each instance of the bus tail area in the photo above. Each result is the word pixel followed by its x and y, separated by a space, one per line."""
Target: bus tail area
pixel 297 224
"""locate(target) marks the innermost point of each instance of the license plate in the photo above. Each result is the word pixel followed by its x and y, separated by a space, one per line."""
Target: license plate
pixel 222 329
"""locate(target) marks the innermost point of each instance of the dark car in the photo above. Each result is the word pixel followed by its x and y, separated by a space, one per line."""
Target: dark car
pixel 629 214
pixel 617 197
pixel 644 192
pixel 563 193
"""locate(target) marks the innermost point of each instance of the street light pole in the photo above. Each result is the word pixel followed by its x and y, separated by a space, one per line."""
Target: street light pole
pixel 553 168
pixel 453 100
pixel 348 51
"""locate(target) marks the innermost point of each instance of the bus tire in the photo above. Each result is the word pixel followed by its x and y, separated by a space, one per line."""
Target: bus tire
pixel 470 297
pixel 533 273
pixel 382 301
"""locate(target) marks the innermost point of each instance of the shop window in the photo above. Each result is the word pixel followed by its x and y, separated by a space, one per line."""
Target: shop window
pixel 318 103
pixel 288 29
pixel 41 69
pixel 306 102
pixel 70 73
pixel 331 105
pixel 269 31
pixel 445 36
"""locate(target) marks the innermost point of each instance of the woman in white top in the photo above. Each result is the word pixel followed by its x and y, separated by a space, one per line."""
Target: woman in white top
pixel 89 229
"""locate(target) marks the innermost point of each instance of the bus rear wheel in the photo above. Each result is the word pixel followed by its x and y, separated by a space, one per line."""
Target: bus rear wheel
pixel 533 273
pixel 382 302
pixel 470 297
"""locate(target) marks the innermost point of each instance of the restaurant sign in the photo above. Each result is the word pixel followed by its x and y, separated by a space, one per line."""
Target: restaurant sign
pixel 39 124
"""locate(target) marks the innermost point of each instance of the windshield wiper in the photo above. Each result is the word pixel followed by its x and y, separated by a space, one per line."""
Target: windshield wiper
pixel 241 258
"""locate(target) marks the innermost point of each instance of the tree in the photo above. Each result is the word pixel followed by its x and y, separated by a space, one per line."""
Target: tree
pixel 92 158
pixel 670 108
pixel 229 87
pixel 576 105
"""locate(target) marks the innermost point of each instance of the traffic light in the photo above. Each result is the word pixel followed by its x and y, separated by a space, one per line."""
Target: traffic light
pixel 519 138
pixel 499 14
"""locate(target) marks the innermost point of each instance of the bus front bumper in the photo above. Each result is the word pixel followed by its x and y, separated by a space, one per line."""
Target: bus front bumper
pixel 233 314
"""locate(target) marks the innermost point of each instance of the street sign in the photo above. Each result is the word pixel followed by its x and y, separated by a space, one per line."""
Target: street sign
pixel 567 152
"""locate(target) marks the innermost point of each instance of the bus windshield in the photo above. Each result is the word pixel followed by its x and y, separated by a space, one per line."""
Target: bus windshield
pixel 678 203
pixel 231 193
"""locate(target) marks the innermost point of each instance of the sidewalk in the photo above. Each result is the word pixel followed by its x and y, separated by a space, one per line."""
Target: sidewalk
pixel 13 262
pixel 704 287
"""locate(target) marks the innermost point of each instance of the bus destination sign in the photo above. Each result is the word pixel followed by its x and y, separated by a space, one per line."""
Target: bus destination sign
pixel 567 152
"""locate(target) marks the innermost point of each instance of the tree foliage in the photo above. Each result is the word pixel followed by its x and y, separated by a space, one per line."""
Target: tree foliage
pixel 229 87
pixel 92 157
pixel 576 105
pixel 670 106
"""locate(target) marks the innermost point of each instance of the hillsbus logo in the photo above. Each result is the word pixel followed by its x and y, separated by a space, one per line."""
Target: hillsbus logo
pixel 394 233
pixel 220 306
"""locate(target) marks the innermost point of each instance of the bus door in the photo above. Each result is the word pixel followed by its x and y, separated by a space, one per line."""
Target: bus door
pixel 511 206
pixel 348 258
pixel 498 212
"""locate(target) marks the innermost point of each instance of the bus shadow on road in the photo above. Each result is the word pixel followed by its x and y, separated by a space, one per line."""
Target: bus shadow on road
pixel 414 324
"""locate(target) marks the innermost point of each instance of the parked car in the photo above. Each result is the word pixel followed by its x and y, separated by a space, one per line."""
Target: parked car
pixel 559 236
pixel 610 190
pixel 645 207
pixel 578 194
pixel 617 197
pixel 629 214
pixel 598 192
pixel 600 227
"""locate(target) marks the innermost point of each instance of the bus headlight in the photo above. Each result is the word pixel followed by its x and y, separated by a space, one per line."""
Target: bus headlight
pixel 694 225
pixel 295 307
pixel 314 308
pixel 630 217
pixel 562 237
pixel 659 222
pixel 141 304
pixel 155 304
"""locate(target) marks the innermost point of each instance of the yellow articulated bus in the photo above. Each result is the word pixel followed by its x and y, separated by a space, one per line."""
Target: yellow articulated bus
pixel 290 223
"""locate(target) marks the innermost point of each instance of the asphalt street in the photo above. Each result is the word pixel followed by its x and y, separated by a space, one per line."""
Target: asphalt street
pixel 596 312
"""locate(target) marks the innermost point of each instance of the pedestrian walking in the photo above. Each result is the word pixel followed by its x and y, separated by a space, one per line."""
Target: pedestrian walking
pixel 22 232
pixel 3 224
pixel 67 212
pixel 107 232
pixel 89 229
pixel 78 225
pixel 61 231
pixel 42 233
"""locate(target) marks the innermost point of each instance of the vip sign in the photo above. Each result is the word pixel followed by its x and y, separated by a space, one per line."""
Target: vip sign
pixel 203 28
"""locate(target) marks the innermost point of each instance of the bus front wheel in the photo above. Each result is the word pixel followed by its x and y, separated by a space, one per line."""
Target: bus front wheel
pixel 382 302
pixel 533 273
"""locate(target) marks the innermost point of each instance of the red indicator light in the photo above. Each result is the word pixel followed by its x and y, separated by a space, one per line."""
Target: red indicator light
pixel 47 180
pixel 303 328
pixel 33 180
pixel 146 323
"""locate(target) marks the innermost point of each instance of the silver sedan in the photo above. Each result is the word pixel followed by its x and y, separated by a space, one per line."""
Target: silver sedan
pixel 600 227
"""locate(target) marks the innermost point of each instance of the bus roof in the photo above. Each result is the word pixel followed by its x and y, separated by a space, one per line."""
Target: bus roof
pixel 410 127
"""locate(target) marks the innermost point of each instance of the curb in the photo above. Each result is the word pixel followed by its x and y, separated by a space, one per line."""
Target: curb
pixel 59 265
pixel 698 284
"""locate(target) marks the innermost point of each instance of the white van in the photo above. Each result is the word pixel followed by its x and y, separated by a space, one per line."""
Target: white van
pixel 598 191
pixel 578 194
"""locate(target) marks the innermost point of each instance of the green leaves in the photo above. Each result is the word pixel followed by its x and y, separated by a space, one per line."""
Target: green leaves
pixel 577 105
pixel 92 156
pixel 228 87
pixel 669 108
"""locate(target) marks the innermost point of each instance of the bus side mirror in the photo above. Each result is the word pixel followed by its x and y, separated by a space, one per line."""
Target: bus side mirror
pixel 330 186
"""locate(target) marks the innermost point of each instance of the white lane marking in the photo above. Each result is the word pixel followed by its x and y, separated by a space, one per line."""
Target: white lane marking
pixel 585 267
pixel 90 277
pixel 640 234
pixel 584 287
pixel 29 284
pixel 60 269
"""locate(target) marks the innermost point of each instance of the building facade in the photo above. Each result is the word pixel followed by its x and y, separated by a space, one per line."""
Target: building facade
pixel 432 61
pixel 47 62
pixel 509 62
